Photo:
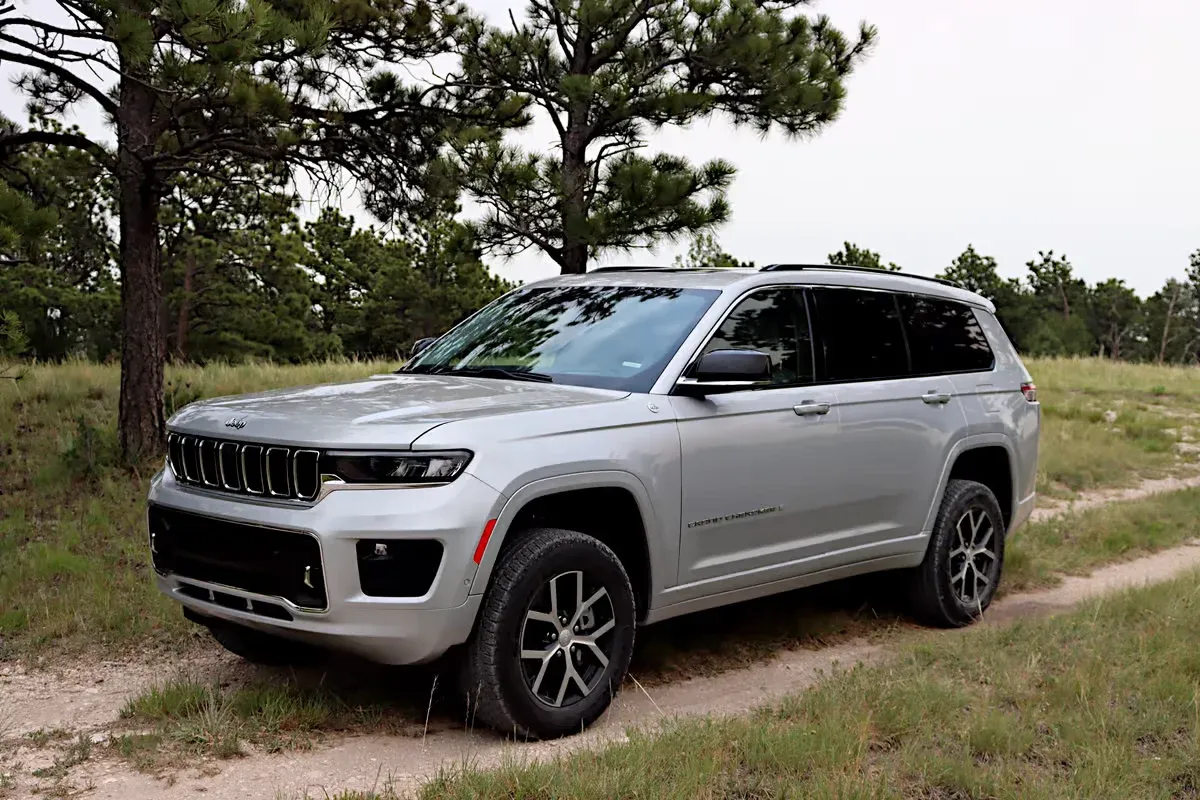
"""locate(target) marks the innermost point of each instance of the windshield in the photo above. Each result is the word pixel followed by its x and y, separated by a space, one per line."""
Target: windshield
pixel 610 337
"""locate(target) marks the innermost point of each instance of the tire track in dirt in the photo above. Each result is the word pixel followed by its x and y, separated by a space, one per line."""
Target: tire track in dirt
pixel 85 699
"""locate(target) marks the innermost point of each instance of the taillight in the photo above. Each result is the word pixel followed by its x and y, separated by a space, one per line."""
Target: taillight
pixel 1030 392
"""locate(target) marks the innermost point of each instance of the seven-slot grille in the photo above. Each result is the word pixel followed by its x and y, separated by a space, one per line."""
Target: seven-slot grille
pixel 265 470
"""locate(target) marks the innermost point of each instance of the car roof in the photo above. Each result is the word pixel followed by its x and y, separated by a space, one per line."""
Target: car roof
pixel 737 280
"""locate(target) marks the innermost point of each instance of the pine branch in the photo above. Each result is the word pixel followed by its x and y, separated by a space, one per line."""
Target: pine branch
pixel 61 72
pixel 15 141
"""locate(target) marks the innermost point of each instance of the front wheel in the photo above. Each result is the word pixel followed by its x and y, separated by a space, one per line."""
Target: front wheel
pixel 555 636
pixel 958 578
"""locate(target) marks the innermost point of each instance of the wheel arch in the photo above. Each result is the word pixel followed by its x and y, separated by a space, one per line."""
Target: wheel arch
pixel 989 459
pixel 612 506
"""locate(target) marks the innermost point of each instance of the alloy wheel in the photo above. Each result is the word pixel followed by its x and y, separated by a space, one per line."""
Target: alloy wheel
pixel 565 639
pixel 972 556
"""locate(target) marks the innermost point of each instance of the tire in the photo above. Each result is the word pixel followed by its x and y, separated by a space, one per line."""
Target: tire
pixel 939 597
pixel 535 696
pixel 262 648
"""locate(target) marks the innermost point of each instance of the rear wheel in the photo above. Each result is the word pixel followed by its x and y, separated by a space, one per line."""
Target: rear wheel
pixel 554 638
pixel 958 578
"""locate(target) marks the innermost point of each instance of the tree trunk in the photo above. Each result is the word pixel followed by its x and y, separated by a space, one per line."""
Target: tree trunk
pixel 183 320
pixel 143 341
pixel 574 183
pixel 1162 349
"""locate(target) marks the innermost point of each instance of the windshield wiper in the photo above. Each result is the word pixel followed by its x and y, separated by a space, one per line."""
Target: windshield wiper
pixel 501 372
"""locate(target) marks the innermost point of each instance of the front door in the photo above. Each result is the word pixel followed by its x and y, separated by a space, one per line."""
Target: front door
pixel 756 483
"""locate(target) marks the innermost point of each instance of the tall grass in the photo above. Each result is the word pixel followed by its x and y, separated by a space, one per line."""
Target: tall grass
pixel 73 557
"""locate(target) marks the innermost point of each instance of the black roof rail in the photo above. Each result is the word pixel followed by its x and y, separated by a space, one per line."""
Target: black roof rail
pixel 655 269
pixel 629 269
pixel 850 268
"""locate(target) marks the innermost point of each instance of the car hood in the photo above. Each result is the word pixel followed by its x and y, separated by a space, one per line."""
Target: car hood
pixel 380 411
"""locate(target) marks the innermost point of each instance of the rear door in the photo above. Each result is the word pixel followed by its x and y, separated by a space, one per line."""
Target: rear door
pixel 897 426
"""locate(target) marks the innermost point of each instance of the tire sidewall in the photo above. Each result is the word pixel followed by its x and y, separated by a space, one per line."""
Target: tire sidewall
pixel 599 563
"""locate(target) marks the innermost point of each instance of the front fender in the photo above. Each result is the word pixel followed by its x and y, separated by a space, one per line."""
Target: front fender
pixel 663 550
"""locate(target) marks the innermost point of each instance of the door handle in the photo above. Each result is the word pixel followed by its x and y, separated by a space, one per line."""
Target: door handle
pixel 808 408
pixel 936 398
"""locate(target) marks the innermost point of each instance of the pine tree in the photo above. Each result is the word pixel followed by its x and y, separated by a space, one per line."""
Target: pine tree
pixel 605 73
pixel 294 82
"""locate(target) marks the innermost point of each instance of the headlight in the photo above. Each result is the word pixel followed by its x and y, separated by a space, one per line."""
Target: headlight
pixel 398 468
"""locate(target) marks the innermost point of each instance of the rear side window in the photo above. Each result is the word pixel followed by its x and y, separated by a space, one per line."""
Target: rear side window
pixel 944 336
pixel 771 321
pixel 861 335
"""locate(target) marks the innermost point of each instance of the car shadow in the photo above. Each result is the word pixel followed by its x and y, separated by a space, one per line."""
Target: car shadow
pixel 419 700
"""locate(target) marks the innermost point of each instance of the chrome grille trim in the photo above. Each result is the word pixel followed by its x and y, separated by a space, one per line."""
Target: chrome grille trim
pixel 268 460
pixel 314 473
pixel 226 484
pixel 214 480
pixel 258 466
pixel 244 468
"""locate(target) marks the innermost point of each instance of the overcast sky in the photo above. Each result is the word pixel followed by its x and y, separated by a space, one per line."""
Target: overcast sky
pixel 1019 126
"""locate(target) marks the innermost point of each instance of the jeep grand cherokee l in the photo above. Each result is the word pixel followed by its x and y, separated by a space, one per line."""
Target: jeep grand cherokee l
pixel 591 454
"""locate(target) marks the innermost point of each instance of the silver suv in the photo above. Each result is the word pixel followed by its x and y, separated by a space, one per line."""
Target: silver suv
pixel 593 453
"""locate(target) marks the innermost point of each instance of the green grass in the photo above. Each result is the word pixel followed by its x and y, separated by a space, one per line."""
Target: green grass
pixel 1103 703
pixel 269 712
pixel 73 558
pixel 74 572
pixel 1107 424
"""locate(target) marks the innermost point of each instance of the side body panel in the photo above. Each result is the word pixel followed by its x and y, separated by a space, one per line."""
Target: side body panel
pixel 631 444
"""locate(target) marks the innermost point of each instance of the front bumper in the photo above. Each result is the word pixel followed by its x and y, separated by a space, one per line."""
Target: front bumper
pixel 390 630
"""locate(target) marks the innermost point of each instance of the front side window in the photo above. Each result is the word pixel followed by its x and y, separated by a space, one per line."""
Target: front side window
pixel 609 337
pixel 944 336
pixel 772 321
pixel 861 336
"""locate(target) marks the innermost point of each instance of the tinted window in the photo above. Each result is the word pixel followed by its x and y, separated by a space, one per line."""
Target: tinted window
pixel 771 321
pixel 612 337
pixel 861 336
pixel 943 336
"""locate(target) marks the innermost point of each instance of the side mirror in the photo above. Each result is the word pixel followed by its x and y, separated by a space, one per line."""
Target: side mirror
pixel 726 371
pixel 421 344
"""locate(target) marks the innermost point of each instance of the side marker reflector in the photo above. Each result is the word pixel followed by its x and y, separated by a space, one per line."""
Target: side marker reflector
pixel 483 540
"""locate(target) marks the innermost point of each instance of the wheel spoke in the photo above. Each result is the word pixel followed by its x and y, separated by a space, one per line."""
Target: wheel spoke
pixel 585 605
pixel 579 681
pixel 985 538
pixel 537 682
pixel 962 540
pixel 596 634
pixel 596 651
pixel 566 680
pixel 554 600
pixel 537 655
